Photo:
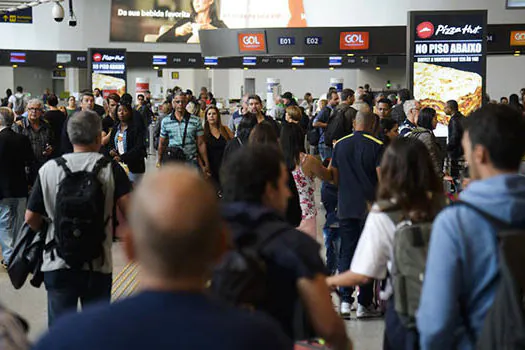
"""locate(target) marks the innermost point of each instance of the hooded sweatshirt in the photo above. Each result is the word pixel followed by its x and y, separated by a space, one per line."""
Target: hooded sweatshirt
pixel 462 267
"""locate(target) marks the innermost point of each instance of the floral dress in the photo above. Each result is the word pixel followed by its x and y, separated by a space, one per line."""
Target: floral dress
pixel 306 189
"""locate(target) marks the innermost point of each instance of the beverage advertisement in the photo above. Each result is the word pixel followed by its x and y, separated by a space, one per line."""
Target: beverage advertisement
pixel 107 70
pixel 448 59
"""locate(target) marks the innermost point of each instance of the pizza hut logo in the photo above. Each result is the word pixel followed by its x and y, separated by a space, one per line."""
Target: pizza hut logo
pixel 97 57
pixel 425 30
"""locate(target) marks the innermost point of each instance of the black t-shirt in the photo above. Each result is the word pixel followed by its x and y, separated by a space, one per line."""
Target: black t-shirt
pixel 122 187
pixel 56 120
pixel 107 124
pixel 357 157
pixel 164 320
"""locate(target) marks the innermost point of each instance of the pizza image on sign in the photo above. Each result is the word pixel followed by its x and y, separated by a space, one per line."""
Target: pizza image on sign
pixel 435 85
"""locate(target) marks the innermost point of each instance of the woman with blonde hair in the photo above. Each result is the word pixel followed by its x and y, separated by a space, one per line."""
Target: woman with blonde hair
pixel 216 136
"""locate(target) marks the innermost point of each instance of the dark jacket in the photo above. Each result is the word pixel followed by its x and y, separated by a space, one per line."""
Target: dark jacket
pixel 455 134
pixel 427 137
pixel 398 114
pixel 15 154
pixel 136 151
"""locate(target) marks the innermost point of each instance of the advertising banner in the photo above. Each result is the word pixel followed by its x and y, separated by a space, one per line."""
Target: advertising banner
pixel 107 70
pixel 24 16
pixel 447 59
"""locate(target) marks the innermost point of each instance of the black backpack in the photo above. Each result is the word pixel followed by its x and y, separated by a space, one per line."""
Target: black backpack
pixel 504 325
pixel 240 278
pixel 80 222
pixel 313 135
pixel 338 127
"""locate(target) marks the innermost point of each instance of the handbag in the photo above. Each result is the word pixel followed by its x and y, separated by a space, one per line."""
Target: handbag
pixel 176 154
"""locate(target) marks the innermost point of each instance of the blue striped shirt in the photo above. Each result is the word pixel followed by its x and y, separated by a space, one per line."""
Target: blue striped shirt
pixel 173 130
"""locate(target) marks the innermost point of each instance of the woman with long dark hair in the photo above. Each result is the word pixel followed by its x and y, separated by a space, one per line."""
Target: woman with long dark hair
pixel 514 102
pixel 426 123
pixel 216 136
pixel 126 143
pixel 409 186
pixel 304 169
pixel 203 16
pixel 264 134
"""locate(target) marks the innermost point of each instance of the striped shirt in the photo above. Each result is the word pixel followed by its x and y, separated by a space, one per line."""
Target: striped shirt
pixel 173 130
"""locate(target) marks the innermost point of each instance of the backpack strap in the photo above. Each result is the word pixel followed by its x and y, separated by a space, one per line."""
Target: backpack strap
pixel 100 164
pixel 267 231
pixel 393 211
pixel 61 162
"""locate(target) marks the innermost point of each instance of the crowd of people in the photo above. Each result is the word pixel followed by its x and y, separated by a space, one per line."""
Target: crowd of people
pixel 225 232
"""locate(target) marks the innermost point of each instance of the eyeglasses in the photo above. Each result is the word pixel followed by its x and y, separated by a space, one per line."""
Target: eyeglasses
pixel 34 109
pixel 178 102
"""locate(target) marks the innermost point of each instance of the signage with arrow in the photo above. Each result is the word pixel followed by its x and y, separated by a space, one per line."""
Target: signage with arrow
pixel 24 16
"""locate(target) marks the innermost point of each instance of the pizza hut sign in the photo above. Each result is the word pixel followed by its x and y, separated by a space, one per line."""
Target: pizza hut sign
pixel 425 30
pixel 97 57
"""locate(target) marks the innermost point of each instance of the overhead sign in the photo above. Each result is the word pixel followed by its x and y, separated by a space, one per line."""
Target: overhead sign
pixel 517 38
pixel 107 70
pixel 160 60
pixel 286 40
pixel 448 59
pixel 354 41
pixel 24 16
pixel 17 57
pixel 313 40
pixel 252 42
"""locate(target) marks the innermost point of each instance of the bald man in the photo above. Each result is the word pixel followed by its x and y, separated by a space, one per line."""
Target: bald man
pixel 355 168
pixel 176 236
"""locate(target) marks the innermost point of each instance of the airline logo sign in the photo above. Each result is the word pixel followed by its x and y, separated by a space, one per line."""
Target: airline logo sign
pixel 517 38
pixel 354 41
pixel 252 42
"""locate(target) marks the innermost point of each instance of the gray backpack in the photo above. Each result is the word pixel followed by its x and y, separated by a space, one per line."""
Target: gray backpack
pixel 411 241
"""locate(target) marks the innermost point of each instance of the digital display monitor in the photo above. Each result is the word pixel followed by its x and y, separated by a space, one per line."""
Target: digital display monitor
pixel 160 60
pixel 297 61
pixel 211 61
pixel 18 57
pixel 249 61
pixel 516 4
pixel 335 61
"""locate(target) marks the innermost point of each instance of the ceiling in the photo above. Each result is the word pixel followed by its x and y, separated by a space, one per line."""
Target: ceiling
pixel 12 5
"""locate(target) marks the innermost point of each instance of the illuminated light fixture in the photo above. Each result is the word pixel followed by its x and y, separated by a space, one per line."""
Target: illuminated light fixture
pixel 15 65
pixel 207 68
pixel 517 54
pixel 294 68
pixel 156 68
pixel 350 55
pixel 60 66
pixel 331 68
pixel 246 68
pixel 378 68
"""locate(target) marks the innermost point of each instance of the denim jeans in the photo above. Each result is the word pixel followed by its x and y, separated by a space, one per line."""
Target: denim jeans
pixel 324 151
pixel 397 336
pixel 350 231
pixel 66 287
pixel 11 220
pixel 332 244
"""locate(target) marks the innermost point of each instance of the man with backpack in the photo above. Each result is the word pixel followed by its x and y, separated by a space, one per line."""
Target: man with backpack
pixel 321 122
pixel 18 100
pixel 342 119
pixel 470 290
pixel 284 275
pixel 77 194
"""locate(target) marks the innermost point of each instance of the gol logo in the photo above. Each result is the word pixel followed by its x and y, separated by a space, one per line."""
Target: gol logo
pixel 97 57
pixel 517 38
pixel 252 42
pixel 425 30
pixel 354 41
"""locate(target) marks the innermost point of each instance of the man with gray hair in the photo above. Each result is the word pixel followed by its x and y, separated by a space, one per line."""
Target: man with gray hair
pixel 176 236
pixel 39 133
pixel 78 192
pixel 355 169
pixel 15 155
pixel 411 109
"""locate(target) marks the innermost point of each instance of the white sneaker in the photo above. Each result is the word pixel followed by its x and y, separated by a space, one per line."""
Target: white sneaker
pixel 345 309
pixel 367 312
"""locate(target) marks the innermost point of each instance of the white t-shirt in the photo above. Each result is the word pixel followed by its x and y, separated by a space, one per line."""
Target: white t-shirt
pixel 12 100
pixel 99 101
pixel 375 248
